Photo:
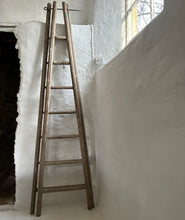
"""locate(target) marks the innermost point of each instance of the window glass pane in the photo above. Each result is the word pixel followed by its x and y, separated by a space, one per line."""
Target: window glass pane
pixel 139 14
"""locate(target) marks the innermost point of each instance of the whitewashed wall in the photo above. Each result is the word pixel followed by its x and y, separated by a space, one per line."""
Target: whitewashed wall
pixel 108 32
pixel 30 54
pixel 19 11
pixel 140 124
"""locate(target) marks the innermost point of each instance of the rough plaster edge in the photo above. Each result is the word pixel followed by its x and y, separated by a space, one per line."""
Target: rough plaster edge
pixel 18 119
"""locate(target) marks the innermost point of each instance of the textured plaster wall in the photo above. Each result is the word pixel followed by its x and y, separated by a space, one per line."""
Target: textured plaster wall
pixel 19 11
pixel 30 54
pixel 141 122
pixel 108 28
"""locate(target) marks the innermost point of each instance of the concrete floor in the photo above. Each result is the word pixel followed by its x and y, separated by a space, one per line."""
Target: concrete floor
pixel 64 212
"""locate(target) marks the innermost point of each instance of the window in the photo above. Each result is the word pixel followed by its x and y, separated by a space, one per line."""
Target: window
pixel 138 14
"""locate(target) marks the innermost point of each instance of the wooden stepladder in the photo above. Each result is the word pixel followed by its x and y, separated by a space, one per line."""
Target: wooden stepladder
pixel 48 61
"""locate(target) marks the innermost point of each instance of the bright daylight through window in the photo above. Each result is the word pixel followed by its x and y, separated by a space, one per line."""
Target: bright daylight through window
pixel 139 13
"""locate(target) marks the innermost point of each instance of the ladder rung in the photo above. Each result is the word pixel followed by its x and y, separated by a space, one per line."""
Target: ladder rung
pixel 63 188
pixel 60 37
pixel 62 162
pixel 61 87
pixel 61 63
pixel 66 112
pixel 64 136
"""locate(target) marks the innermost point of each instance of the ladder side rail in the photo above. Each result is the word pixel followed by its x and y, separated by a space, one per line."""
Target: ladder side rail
pixel 47 101
pixel 41 105
pixel 90 188
pixel 83 126
pixel 83 143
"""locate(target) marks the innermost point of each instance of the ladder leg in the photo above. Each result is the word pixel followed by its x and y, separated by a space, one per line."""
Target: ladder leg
pixel 81 126
pixel 87 171
pixel 37 149
pixel 46 112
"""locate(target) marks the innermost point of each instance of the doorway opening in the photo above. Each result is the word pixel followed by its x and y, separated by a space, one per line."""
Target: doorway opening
pixel 9 86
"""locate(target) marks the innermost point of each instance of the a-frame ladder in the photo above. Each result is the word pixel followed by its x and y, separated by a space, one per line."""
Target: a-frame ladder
pixel 39 164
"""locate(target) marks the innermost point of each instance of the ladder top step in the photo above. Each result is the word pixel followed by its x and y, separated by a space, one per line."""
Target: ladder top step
pixel 61 63
pixel 62 162
pixel 63 112
pixel 62 87
pixel 64 136
pixel 63 188
pixel 58 37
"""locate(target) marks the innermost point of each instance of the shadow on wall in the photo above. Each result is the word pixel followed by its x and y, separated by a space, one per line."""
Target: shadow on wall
pixel 140 125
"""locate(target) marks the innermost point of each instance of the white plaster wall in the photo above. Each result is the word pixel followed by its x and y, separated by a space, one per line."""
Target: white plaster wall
pixel 141 122
pixel 108 31
pixel 30 53
pixel 24 11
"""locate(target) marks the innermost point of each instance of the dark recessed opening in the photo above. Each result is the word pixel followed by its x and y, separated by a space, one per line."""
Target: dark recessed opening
pixel 9 85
